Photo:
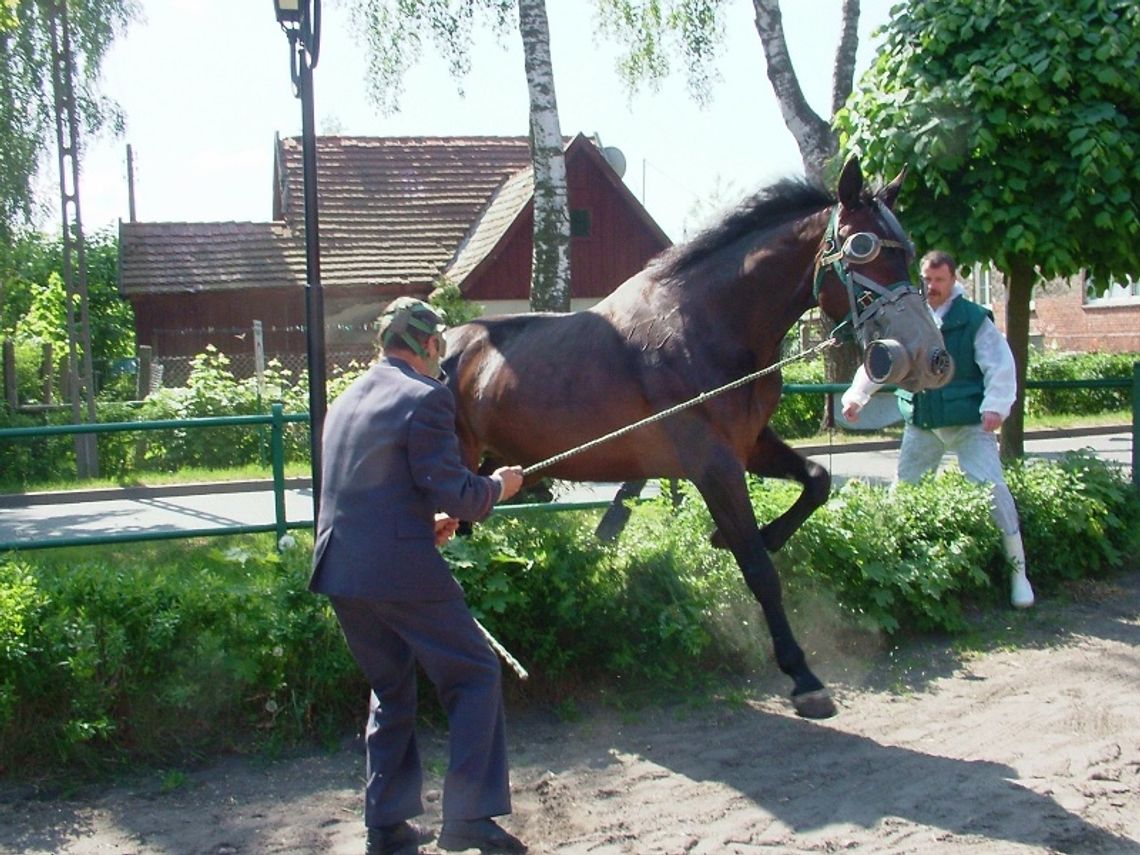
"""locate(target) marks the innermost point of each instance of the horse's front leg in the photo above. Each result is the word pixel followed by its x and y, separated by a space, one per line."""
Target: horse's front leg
pixel 721 483
pixel 771 457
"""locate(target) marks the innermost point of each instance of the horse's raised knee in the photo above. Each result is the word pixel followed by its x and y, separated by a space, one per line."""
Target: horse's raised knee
pixel 817 487
pixel 816 482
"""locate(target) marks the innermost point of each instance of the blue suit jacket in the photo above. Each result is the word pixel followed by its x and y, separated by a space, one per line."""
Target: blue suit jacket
pixel 390 462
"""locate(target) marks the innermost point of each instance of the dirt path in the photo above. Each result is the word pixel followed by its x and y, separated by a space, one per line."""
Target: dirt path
pixel 1031 749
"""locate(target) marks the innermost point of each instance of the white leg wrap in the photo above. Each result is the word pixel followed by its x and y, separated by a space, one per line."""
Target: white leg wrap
pixel 1021 592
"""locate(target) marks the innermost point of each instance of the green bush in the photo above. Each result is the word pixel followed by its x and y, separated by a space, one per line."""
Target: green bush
pixel 800 415
pixel 26 461
pixel 1079 516
pixel 908 559
pixel 1078 366
pixel 153 652
pixel 108 658
pixel 581 608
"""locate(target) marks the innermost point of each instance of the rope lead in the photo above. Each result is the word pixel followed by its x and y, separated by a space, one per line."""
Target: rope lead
pixel 702 397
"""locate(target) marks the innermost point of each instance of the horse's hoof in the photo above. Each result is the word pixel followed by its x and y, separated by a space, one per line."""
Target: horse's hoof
pixel 817 704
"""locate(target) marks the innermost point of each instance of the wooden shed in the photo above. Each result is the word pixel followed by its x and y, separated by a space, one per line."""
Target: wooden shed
pixel 398 215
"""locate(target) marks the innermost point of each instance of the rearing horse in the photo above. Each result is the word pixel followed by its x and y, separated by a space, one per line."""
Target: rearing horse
pixel 697 317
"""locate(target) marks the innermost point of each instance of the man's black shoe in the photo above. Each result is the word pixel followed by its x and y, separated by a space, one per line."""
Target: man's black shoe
pixel 401 838
pixel 482 834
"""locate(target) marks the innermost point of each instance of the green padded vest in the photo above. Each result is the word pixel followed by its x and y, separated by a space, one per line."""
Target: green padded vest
pixel 959 402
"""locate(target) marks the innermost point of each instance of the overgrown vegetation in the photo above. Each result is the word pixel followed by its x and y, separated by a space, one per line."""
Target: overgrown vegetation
pixel 156 653
pixel 33 312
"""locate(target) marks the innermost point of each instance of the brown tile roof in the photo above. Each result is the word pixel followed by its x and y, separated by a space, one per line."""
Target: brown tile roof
pixel 510 200
pixel 393 213
pixel 394 210
pixel 191 257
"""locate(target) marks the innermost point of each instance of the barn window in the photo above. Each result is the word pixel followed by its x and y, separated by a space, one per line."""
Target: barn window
pixel 580 223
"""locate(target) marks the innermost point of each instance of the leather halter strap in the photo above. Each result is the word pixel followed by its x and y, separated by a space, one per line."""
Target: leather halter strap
pixel 865 296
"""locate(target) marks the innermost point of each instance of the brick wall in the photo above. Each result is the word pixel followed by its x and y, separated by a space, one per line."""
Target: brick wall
pixel 1060 320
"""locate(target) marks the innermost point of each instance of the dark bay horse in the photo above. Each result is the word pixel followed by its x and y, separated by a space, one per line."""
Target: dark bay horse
pixel 698 316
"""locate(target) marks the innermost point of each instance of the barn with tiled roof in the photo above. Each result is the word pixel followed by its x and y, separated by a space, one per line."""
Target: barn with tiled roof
pixel 398 215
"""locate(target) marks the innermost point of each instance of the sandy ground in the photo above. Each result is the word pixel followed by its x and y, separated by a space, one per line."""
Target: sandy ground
pixel 1031 748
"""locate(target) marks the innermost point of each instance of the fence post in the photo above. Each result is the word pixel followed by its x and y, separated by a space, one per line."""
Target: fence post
pixel 47 372
pixel 145 356
pixel 10 393
pixel 277 452
pixel 1136 425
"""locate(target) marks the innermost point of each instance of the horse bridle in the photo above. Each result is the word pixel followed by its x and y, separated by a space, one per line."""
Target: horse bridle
pixel 866 296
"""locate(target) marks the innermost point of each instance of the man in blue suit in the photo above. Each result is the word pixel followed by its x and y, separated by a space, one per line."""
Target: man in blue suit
pixel 394 487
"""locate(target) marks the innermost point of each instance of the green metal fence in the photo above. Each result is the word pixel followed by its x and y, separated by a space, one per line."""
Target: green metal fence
pixel 277 419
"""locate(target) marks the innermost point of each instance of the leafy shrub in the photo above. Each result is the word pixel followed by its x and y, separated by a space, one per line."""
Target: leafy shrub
pixel 1078 516
pixel 635 608
pixel 902 559
pixel 35 459
pixel 800 415
pixel 1050 365
pixel 104 658
pixel 155 652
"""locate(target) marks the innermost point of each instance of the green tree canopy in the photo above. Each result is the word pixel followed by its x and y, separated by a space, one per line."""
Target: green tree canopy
pixel 27 123
pixel 32 299
pixel 1021 125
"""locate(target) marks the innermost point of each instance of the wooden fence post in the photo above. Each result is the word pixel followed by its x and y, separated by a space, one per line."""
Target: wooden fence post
pixel 47 377
pixel 146 358
pixel 10 390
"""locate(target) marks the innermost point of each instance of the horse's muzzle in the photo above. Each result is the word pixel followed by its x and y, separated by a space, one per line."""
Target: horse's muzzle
pixel 887 361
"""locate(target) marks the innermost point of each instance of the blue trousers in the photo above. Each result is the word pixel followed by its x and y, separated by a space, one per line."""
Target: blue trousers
pixel 386 640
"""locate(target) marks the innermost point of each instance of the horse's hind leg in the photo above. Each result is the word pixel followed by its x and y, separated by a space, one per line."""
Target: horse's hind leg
pixel 773 458
pixel 725 492
pixel 616 516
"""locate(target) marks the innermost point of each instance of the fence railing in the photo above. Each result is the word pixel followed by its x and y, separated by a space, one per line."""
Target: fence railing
pixel 277 419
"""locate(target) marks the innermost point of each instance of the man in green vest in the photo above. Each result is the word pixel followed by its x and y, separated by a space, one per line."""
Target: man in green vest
pixel 964 415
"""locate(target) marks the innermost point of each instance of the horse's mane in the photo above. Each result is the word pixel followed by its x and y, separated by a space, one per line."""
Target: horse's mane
pixel 775 205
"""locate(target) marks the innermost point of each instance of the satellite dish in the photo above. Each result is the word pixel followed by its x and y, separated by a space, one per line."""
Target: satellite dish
pixel 615 159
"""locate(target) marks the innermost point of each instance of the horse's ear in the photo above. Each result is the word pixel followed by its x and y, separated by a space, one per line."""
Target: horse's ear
pixel 891 192
pixel 851 183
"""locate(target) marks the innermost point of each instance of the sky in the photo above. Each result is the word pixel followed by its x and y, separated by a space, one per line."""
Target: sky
pixel 204 85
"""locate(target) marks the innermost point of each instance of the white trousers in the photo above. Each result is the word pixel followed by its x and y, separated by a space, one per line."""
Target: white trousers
pixel 977 451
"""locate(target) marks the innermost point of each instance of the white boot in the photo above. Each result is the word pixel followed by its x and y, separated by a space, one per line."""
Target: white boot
pixel 1021 592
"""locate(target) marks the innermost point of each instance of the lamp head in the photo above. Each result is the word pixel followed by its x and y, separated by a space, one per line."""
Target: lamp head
pixel 290 11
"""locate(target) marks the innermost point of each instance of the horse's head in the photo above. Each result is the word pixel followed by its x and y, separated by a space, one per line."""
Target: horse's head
pixel 862 277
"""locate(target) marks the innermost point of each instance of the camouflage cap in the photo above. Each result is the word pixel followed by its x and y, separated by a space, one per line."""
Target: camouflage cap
pixel 405 314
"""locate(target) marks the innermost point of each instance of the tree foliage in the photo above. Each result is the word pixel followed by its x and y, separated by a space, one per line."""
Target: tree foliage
pixel 27 123
pixel 33 305
pixel 1021 124
pixel 653 32
pixel 395 33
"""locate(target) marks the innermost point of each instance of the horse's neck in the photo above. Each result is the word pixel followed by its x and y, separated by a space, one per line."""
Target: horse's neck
pixel 776 288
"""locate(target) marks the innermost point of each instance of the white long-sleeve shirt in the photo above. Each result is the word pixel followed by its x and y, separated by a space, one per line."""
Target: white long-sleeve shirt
pixel 991 351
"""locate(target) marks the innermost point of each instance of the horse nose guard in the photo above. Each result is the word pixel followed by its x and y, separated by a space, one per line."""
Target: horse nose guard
pixel 887 361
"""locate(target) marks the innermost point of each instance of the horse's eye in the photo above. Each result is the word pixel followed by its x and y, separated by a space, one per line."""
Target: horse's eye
pixel 861 247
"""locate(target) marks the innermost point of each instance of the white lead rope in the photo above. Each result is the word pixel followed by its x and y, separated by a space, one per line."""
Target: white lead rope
pixel 704 396
pixel 516 666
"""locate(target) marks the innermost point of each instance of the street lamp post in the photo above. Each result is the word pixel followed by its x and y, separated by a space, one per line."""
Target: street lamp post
pixel 301 21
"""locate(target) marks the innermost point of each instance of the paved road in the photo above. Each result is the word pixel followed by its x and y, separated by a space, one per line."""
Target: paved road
pixel 66 518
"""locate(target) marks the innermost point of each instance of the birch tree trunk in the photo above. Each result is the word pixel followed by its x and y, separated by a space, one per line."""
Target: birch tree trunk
pixel 550 266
